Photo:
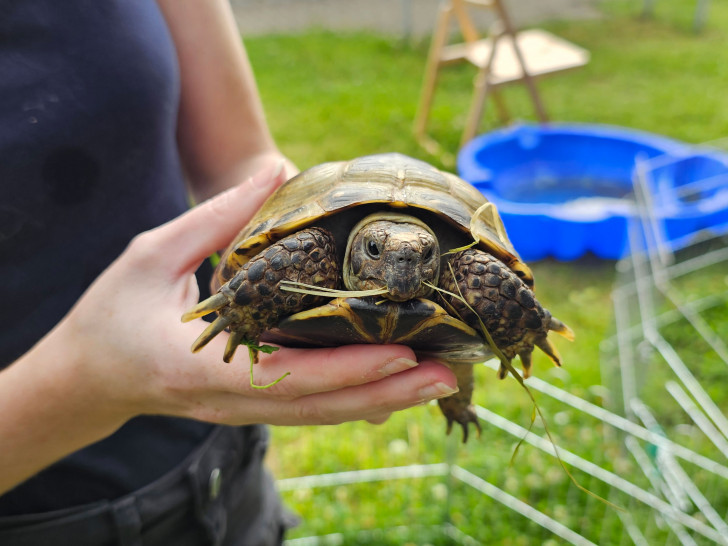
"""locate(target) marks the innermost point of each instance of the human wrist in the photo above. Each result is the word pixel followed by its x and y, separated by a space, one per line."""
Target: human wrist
pixel 96 385
pixel 49 410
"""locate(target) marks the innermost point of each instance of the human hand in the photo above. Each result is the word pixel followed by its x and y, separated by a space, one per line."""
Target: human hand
pixel 132 349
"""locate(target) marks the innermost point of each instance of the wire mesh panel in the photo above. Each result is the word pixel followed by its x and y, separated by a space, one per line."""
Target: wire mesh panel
pixel 671 306
pixel 641 459
pixel 547 505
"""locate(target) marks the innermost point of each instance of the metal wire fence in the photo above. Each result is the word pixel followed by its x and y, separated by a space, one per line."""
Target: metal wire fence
pixel 652 441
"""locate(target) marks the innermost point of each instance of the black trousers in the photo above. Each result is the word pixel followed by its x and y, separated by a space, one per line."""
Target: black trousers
pixel 220 495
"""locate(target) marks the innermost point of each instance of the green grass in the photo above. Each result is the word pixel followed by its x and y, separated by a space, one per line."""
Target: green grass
pixel 331 96
pixel 334 96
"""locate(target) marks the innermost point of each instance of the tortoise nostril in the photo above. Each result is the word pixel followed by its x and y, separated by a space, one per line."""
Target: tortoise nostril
pixel 405 255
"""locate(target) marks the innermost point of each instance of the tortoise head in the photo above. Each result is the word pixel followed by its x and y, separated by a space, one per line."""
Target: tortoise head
pixel 393 251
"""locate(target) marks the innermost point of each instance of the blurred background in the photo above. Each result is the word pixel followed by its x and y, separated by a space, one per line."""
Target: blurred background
pixel 638 410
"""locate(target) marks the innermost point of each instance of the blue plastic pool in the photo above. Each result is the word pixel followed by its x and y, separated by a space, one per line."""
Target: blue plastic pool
pixel 565 190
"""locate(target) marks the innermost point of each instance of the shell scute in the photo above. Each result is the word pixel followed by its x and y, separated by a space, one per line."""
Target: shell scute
pixel 393 180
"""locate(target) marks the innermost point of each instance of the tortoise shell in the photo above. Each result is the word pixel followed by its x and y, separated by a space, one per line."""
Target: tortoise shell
pixel 384 181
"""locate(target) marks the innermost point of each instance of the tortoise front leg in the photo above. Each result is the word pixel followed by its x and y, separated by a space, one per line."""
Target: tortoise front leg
pixel 495 297
pixel 252 301
pixel 503 303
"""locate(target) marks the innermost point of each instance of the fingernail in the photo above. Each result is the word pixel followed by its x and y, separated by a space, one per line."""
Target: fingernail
pixel 261 180
pixel 437 390
pixel 257 181
pixel 279 169
pixel 397 365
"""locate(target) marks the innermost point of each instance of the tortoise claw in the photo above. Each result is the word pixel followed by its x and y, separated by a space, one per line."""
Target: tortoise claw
pixel 205 307
pixel 463 416
pixel 236 336
pixel 526 363
pixel 544 343
pixel 210 332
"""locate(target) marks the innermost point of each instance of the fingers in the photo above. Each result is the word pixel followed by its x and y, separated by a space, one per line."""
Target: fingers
pixel 379 420
pixel 311 370
pixel 211 225
pixel 329 369
pixel 326 386
pixel 370 401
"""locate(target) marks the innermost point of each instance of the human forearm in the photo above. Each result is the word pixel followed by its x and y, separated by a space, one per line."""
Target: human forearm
pixel 223 134
pixel 49 408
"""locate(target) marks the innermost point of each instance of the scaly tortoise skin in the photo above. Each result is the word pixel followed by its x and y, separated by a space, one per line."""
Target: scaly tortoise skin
pixel 381 221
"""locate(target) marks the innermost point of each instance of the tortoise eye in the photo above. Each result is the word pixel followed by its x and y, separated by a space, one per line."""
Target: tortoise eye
pixel 428 254
pixel 372 249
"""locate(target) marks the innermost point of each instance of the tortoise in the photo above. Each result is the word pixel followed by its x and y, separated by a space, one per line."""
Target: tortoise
pixel 394 224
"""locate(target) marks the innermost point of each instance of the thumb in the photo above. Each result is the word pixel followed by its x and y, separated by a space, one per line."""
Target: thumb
pixel 211 225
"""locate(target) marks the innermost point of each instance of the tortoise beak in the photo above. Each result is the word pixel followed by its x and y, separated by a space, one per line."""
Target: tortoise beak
pixel 402 273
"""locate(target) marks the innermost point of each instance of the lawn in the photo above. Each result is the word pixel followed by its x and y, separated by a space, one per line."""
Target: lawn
pixel 335 96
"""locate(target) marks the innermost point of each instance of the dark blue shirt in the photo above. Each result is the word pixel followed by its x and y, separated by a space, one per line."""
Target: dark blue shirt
pixel 89 94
